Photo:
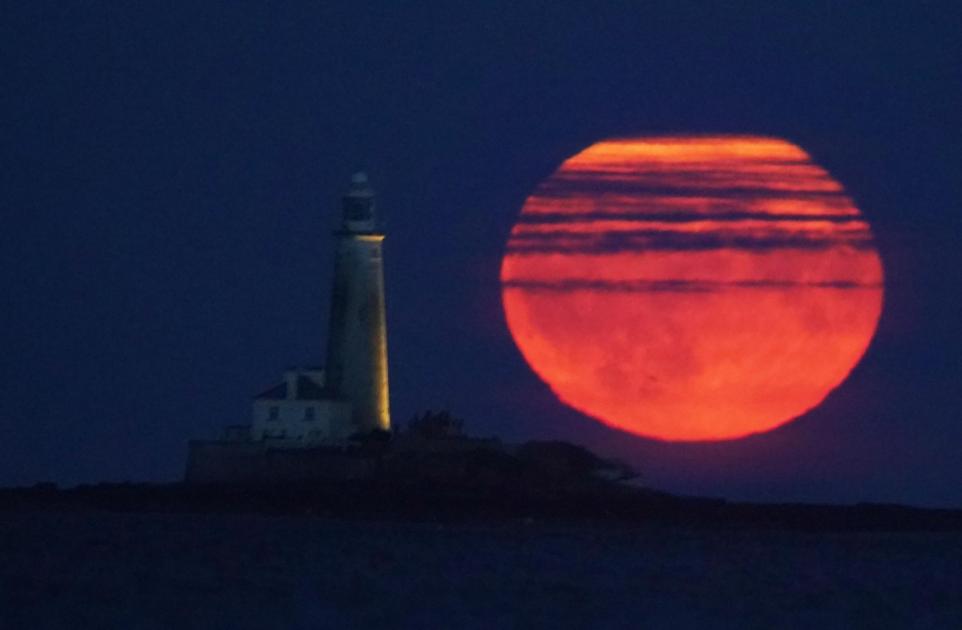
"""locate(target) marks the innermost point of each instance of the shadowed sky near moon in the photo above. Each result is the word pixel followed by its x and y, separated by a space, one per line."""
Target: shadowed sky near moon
pixel 169 177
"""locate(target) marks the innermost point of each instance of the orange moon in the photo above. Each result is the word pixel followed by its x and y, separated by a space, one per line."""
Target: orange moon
pixel 691 287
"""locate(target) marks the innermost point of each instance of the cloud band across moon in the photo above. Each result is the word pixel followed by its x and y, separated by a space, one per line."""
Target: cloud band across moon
pixel 718 197
pixel 694 286
pixel 600 242
pixel 732 270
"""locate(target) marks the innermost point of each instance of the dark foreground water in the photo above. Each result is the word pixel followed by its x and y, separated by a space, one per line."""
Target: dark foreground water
pixel 101 570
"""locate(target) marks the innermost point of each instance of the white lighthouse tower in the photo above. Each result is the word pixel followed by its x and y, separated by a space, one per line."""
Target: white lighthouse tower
pixel 356 368
pixel 315 408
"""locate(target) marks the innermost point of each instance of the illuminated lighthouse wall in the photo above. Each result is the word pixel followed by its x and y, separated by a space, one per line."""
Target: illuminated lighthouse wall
pixel 357 343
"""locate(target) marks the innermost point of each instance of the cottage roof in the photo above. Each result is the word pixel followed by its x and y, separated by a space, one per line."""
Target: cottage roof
pixel 307 389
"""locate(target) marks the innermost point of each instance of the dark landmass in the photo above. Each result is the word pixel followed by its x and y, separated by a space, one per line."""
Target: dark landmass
pixel 433 472
pixel 480 486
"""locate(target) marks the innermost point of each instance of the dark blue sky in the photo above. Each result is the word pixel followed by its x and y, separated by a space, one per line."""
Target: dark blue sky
pixel 169 177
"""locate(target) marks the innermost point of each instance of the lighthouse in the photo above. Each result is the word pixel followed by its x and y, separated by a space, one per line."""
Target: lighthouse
pixel 299 423
pixel 356 368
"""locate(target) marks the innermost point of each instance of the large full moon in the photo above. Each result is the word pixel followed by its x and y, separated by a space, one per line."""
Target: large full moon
pixel 692 287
